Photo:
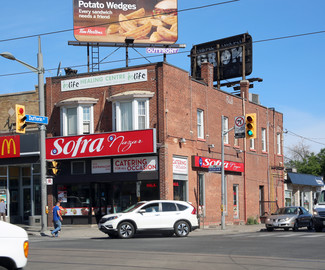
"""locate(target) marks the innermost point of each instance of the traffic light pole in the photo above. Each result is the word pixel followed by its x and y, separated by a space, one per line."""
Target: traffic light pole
pixel 223 190
pixel 42 136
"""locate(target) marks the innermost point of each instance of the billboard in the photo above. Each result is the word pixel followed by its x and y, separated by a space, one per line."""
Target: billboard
pixel 10 146
pixel 145 21
pixel 228 52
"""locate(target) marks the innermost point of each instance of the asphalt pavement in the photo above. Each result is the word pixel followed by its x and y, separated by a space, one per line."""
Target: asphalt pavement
pixel 92 231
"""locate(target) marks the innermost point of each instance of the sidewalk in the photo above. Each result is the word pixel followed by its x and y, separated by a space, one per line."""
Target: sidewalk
pixel 91 231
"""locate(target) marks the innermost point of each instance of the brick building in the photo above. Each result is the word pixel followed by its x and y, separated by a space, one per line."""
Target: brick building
pixel 160 104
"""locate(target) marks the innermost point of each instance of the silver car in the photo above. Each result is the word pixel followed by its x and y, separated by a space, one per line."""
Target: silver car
pixel 289 217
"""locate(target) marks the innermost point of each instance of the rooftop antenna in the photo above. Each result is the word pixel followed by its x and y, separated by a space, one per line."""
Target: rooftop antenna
pixel 58 73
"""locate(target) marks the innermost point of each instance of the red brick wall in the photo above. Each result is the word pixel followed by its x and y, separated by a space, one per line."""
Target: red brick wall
pixel 173 112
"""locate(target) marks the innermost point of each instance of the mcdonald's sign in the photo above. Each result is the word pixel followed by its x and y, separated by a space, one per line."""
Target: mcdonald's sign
pixel 10 146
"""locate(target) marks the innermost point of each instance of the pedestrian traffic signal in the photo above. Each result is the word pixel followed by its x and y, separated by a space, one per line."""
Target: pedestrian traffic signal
pixel 251 125
pixel 53 167
pixel 20 119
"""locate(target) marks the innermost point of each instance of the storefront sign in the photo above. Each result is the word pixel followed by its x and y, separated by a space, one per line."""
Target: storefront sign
pixel 104 80
pixel 101 166
pixel 10 146
pixel 203 162
pixel 180 165
pixel 103 144
pixel 135 164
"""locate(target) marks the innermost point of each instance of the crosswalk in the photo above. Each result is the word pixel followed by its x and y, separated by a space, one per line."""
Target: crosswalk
pixel 276 234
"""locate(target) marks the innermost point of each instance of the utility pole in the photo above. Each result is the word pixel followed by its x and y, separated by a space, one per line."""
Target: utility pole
pixel 223 201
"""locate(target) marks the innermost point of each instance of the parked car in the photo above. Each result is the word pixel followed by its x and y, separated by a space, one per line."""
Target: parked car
pixel 14 246
pixel 319 211
pixel 167 217
pixel 293 217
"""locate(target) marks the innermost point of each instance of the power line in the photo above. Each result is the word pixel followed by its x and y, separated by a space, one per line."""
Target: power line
pixel 302 137
pixel 68 30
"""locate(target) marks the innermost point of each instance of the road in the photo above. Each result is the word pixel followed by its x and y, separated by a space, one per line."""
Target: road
pixel 253 250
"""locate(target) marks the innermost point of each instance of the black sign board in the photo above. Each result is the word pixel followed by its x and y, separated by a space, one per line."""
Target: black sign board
pixel 228 52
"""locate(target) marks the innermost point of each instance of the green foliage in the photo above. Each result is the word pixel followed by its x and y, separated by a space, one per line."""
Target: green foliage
pixel 252 221
pixel 310 164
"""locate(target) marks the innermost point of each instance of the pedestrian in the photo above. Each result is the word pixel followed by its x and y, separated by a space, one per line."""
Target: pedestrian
pixel 3 209
pixel 57 218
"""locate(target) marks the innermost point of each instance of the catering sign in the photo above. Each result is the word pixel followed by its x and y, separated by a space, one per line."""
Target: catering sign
pixel 10 146
pixel 104 80
pixel 145 21
pixel 180 165
pixel 203 162
pixel 135 164
pixel 102 144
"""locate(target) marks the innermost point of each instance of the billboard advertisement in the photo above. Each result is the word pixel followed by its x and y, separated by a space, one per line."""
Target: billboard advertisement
pixel 228 52
pixel 145 21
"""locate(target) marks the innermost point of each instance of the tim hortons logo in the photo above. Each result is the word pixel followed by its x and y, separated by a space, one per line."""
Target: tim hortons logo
pixel 100 145
pixel 9 147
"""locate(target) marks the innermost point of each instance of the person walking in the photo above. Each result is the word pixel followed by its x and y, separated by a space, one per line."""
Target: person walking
pixel 57 218
pixel 3 210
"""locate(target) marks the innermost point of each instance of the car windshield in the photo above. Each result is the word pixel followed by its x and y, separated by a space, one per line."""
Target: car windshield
pixel 287 211
pixel 133 207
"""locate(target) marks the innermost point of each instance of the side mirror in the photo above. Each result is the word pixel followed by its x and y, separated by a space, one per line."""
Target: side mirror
pixel 141 211
pixel 315 201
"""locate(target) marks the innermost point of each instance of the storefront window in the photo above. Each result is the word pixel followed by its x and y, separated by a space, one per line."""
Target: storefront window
pixel 180 190
pixel 288 197
pixel 235 201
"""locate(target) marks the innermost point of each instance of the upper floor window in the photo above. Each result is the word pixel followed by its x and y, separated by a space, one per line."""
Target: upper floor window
pixel 278 143
pixel 131 110
pixel 225 128
pixel 200 124
pixel 77 116
pixel 263 139
pixel 252 144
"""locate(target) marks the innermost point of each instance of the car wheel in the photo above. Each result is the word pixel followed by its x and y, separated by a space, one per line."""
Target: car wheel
pixel 269 229
pixel 295 226
pixel 182 229
pixel 125 230
pixel 310 225
pixel 318 228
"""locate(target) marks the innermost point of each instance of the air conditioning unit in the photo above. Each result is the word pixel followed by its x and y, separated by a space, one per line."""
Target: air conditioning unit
pixel 254 98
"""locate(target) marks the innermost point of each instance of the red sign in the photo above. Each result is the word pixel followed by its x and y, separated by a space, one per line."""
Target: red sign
pixel 103 144
pixel 10 146
pixel 203 162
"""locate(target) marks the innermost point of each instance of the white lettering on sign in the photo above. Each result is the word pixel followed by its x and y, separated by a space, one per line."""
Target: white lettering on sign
pixel 104 80
pixel 135 164
pixel 180 165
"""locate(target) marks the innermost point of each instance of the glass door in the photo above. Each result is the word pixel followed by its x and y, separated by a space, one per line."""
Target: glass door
pixel 26 200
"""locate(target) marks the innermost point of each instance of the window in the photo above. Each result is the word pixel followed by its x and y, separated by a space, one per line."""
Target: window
pixel 131 110
pixel 252 144
pixel 263 139
pixel 278 143
pixel 77 116
pixel 225 128
pixel 154 207
pixel 235 201
pixel 200 124
pixel 78 167
pixel 180 190
pixel 168 207
pixel 201 195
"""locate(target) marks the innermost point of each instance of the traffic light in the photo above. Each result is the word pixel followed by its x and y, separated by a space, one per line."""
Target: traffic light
pixel 20 119
pixel 250 125
pixel 53 167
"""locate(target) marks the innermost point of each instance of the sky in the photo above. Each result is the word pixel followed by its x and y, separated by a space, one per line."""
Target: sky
pixel 292 69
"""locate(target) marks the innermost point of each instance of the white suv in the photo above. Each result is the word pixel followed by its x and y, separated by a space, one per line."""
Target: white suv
pixel 167 217
pixel 13 246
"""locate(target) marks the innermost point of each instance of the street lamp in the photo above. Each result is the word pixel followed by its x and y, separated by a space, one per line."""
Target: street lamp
pixel 40 71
